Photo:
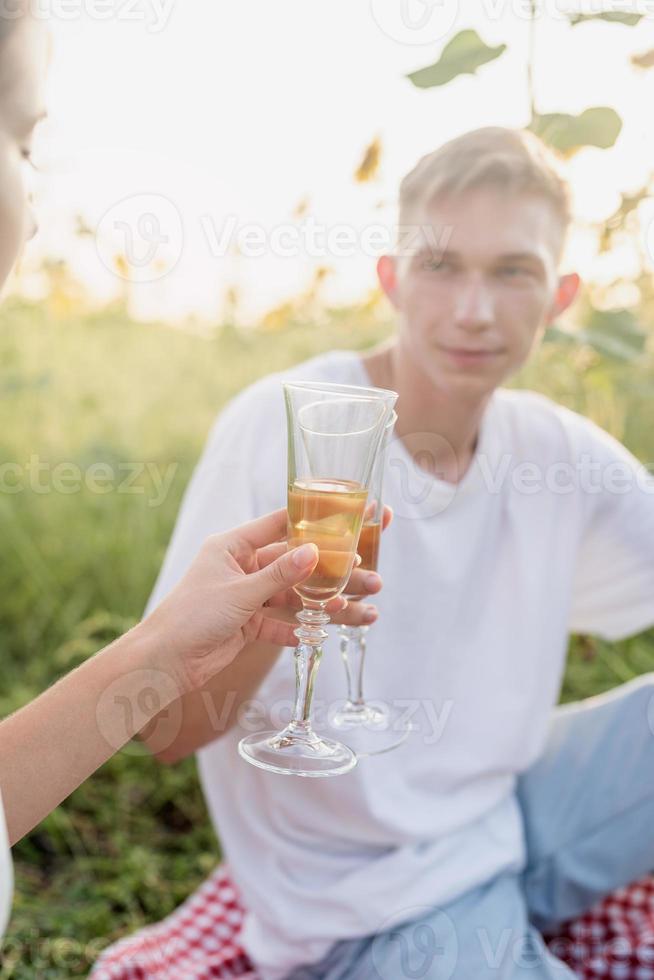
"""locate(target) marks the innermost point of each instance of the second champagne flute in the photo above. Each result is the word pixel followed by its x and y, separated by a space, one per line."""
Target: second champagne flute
pixel 334 435
pixel 368 729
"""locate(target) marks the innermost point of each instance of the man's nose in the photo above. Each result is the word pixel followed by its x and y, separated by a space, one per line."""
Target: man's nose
pixel 474 308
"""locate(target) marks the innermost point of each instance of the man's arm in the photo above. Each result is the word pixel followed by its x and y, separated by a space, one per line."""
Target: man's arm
pixel 203 716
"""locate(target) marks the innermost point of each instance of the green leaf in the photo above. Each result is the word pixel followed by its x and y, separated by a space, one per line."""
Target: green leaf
pixel 558 335
pixel 463 55
pixel 599 126
pixel 612 17
pixel 613 333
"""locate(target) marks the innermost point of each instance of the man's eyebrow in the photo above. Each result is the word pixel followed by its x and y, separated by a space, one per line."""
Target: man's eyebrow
pixel 520 257
pixel 447 253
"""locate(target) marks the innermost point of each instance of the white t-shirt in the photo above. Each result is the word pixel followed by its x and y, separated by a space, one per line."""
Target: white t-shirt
pixel 6 873
pixel 551 530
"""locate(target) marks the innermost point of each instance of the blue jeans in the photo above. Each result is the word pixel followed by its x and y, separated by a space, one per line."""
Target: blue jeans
pixel 588 807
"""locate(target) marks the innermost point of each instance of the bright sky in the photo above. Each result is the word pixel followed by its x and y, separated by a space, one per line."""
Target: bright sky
pixel 175 123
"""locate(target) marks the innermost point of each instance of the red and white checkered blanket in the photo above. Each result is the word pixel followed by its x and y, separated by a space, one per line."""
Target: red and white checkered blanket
pixel 614 941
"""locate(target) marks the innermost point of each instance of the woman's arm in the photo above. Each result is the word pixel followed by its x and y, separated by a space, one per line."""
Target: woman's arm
pixel 49 748
pixel 53 744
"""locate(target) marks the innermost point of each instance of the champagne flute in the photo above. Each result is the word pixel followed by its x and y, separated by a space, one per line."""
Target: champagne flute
pixel 368 729
pixel 334 435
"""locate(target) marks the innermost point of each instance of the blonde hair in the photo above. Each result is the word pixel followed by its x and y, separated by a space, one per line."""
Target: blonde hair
pixel 514 160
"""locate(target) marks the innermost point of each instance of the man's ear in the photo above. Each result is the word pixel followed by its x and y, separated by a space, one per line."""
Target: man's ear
pixel 387 275
pixel 565 295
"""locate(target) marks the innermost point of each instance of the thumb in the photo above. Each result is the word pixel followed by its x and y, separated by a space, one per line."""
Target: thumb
pixel 283 573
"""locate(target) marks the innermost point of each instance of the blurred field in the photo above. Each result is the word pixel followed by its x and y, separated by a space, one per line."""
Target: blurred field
pixel 77 568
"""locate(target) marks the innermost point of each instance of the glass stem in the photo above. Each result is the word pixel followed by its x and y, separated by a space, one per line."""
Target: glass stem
pixel 353 652
pixel 311 633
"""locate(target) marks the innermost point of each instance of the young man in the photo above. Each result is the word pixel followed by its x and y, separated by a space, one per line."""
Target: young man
pixel 517 522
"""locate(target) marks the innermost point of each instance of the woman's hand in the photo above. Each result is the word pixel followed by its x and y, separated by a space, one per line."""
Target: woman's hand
pixel 239 590
pixel 341 612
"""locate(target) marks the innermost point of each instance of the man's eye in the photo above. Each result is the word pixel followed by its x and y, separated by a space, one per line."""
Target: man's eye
pixel 513 271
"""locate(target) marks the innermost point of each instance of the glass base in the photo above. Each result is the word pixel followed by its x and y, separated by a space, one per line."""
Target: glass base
pixel 293 754
pixel 370 730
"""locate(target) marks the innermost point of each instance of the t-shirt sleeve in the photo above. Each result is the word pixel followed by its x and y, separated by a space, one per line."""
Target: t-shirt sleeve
pixel 613 592
pixel 224 489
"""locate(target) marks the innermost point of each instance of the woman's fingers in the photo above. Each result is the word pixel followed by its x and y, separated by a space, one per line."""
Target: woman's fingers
pixel 387 517
pixel 345 614
pixel 278 576
pixel 360 584
pixel 279 632
pixel 271 552
pixel 264 530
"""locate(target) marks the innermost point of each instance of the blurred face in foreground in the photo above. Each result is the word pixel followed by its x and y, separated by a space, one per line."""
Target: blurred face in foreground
pixel 23 57
pixel 477 287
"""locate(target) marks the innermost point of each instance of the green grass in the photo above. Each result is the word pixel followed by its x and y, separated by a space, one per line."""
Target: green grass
pixel 134 841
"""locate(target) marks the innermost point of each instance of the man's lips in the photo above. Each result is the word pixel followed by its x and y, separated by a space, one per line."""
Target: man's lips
pixel 470 352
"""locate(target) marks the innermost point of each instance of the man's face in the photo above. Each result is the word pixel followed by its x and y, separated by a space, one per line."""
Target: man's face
pixel 23 58
pixel 477 294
